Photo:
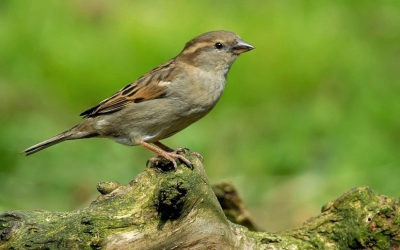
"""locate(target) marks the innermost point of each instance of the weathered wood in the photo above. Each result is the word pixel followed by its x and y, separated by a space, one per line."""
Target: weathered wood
pixel 164 208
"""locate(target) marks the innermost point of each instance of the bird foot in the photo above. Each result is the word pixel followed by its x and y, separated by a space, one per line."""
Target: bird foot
pixel 168 154
pixel 171 157
pixel 183 150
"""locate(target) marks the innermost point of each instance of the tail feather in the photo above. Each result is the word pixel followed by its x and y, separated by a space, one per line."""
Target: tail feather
pixel 47 143
pixel 83 130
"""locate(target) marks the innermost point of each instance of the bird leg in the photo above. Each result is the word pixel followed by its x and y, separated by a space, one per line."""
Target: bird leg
pixel 163 146
pixel 178 150
pixel 162 151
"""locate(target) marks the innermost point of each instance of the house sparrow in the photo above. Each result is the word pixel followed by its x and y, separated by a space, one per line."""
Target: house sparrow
pixel 165 100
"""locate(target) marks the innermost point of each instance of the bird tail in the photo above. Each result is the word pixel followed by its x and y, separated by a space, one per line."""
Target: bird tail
pixel 80 131
pixel 47 143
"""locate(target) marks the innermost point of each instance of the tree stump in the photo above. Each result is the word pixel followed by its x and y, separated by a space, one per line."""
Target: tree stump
pixel 167 208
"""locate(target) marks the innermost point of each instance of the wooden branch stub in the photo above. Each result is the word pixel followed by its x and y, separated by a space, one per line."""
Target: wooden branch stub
pixel 359 219
pixel 159 209
pixel 167 208
pixel 232 205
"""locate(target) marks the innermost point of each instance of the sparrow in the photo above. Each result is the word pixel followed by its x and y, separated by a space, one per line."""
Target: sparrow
pixel 164 101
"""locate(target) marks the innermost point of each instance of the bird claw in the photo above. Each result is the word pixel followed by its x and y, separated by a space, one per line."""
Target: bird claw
pixel 171 156
pixel 167 153
pixel 152 161
pixel 183 150
pixel 201 158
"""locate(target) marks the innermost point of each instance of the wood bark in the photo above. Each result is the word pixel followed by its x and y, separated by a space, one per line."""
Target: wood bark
pixel 167 208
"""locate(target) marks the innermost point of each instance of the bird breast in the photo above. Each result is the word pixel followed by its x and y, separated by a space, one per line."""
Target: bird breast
pixel 204 92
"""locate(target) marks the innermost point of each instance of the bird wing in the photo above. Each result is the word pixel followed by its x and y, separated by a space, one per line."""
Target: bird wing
pixel 152 85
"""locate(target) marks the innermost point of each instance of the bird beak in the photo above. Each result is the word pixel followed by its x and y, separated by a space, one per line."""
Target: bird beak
pixel 242 47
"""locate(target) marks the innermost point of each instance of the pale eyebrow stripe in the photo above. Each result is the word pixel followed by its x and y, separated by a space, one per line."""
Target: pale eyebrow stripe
pixel 194 48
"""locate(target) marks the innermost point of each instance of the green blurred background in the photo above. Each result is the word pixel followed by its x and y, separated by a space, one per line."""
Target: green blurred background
pixel 312 112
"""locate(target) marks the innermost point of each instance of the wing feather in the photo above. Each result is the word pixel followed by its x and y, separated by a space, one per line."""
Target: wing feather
pixel 145 88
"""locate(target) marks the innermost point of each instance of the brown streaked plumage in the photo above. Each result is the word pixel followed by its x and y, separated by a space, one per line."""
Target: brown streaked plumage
pixel 165 100
pixel 145 88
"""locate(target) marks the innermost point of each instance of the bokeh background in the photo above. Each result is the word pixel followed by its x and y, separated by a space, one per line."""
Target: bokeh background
pixel 309 114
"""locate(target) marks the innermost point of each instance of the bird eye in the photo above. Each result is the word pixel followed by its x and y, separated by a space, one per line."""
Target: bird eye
pixel 219 45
